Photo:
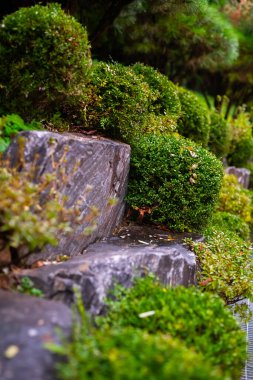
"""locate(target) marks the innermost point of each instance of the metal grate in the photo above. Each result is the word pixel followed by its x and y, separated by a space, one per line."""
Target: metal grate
pixel 248 327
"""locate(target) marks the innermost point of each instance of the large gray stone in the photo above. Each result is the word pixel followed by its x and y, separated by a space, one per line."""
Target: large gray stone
pixel 242 174
pixel 115 261
pixel 100 163
pixel 27 323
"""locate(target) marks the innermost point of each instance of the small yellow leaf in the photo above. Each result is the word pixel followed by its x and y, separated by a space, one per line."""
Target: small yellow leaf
pixel 11 352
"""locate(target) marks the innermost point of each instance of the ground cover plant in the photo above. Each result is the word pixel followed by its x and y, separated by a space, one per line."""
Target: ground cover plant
pixel 175 181
pixel 225 265
pixel 128 353
pixel 199 319
pixel 224 221
pixel 10 125
pixel 48 59
pixel 234 199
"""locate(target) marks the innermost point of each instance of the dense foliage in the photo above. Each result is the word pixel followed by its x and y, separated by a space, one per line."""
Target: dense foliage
pixel 10 125
pixel 193 122
pixel 130 354
pixel 225 221
pixel 219 137
pixel 235 199
pixel 166 100
pixel 44 62
pixel 120 101
pixel 198 319
pixel 225 265
pixel 175 181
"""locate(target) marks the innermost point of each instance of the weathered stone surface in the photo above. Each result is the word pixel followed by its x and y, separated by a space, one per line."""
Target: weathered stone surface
pixel 115 261
pixel 102 164
pixel 242 174
pixel 27 323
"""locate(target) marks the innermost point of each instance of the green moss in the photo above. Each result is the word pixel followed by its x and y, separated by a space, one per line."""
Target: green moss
pixel 176 181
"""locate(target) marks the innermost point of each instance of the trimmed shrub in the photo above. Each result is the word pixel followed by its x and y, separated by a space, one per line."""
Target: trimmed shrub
pixel 241 147
pixel 120 101
pixel 166 101
pixel 226 222
pixel 130 354
pixel 219 137
pixel 176 181
pixel 235 199
pixel 199 319
pixel 242 152
pixel 10 125
pixel 194 122
pixel 44 61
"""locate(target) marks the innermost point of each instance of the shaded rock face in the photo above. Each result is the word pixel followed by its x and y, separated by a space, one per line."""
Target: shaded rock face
pixel 242 174
pixel 28 323
pixel 108 263
pixel 102 165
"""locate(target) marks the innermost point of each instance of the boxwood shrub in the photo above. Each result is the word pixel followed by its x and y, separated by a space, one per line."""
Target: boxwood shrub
pixel 219 137
pixel 199 319
pixel 44 62
pixel 175 181
pixel 120 101
pixel 166 101
pixel 194 120
pixel 241 146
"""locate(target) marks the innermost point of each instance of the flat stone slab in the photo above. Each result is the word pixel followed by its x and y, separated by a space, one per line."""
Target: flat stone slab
pixel 114 261
pixel 102 165
pixel 27 323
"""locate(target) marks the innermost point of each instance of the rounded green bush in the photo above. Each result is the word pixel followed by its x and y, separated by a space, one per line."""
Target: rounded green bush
pixel 199 319
pixel 44 62
pixel 242 152
pixel 131 354
pixel 166 101
pixel 176 181
pixel 224 221
pixel 194 122
pixel 120 101
pixel 219 137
